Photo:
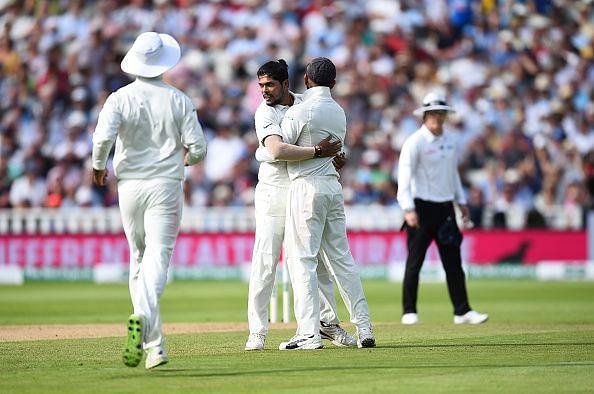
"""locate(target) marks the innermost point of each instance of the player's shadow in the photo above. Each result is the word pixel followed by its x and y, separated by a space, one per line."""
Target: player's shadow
pixel 194 372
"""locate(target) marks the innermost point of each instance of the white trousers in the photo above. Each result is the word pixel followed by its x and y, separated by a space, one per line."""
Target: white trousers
pixel 151 215
pixel 270 210
pixel 316 223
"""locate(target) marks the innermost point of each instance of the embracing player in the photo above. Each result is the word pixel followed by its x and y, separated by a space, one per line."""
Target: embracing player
pixel 270 207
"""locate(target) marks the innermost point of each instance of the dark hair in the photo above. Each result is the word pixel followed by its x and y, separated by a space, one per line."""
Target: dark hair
pixel 275 69
pixel 322 71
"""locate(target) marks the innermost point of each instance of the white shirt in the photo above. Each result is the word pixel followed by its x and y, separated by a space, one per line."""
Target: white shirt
pixel 428 169
pixel 268 122
pixel 150 122
pixel 308 123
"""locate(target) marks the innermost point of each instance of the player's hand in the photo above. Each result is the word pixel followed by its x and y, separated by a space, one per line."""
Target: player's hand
pixel 100 177
pixel 411 219
pixel 467 223
pixel 329 148
pixel 339 161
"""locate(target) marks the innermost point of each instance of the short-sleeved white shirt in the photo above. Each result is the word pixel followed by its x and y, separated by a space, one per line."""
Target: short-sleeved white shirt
pixel 268 122
pixel 308 123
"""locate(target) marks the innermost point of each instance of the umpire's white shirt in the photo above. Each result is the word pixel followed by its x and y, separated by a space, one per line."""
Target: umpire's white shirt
pixel 428 169
pixel 150 122
pixel 300 127
pixel 267 121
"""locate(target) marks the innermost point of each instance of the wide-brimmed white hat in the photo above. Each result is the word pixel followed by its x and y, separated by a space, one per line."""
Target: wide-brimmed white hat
pixel 434 101
pixel 151 55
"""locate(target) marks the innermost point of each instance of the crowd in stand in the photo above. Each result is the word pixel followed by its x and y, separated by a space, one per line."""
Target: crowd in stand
pixel 519 73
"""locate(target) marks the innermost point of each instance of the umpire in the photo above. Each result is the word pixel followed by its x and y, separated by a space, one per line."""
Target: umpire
pixel 428 187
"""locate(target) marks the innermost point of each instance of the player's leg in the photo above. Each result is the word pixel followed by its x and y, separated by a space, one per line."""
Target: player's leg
pixel 306 211
pixel 132 212
pixel 270 205
pixel 162 221
pixel 418 241
pixel 328 309
pixel 342 266
pixel 330 328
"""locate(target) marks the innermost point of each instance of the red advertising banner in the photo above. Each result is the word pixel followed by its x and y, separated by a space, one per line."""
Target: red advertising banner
pixel 232 249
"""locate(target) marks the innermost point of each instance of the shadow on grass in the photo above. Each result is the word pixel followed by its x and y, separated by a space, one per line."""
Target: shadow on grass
pixel 486 345
pixel 193 372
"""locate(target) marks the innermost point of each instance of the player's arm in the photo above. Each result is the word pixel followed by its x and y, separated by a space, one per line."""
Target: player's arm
pixel 193 139
pixel 406 168
pixel 280 150
pixel 108 124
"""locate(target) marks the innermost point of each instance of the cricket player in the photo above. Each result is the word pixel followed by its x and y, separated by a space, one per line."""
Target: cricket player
pixel 270 209
pixel 315 212
pixel 156 131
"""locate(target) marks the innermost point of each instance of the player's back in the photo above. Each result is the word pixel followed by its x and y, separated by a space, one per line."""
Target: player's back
pixel 149 141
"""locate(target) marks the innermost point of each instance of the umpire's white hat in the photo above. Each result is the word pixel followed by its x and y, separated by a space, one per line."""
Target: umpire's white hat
pixel 151 55
pixel 434 101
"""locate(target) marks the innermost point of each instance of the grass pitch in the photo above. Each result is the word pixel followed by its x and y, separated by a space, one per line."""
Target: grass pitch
pixel 540 338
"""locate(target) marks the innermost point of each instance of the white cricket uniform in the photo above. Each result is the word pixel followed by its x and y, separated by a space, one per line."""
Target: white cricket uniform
pixel 315 214
pixel 150 122
pixel 270 210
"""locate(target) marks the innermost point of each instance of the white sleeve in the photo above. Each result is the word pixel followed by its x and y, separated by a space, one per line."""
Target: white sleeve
pixel 266 123
pixel 292 126
pixel 192 135
pixel 406 168
pixel 106 131
pixel 262 154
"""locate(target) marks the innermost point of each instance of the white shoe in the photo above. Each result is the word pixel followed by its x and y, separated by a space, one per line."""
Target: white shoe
pixel 255 342
pixel 302 342
pixel 155 357
pixel 365 337
pixel 471 317
pixel 409 318
pixel 336 334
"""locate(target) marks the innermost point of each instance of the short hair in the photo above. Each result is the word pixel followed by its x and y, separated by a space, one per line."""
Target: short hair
pixel 322 71
pixel 275 69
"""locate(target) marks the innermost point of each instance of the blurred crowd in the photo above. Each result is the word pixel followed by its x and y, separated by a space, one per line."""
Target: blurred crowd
pixel 519 73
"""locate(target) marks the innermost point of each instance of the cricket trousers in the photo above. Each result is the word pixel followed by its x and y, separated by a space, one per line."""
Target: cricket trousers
pixel 316 223
pixel 432 216
pixel 151 215
pixel 270 204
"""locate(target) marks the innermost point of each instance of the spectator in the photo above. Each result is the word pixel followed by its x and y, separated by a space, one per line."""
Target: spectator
pixel 520 73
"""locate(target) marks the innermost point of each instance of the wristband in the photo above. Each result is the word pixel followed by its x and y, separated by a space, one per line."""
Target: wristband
pixel 317 151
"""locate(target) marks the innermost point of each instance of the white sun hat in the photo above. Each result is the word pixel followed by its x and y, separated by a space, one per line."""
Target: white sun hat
pixel 434 101
pixel 151 55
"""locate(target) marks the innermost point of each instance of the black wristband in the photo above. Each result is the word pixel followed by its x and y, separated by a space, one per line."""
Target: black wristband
pixel 317 151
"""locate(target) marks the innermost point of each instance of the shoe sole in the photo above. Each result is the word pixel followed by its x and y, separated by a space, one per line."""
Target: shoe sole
pixel 133 350
pixel 471 323
pixel 163 361
pixel 252 348
pixel 334 341
pixel 367 342
pixel 282 346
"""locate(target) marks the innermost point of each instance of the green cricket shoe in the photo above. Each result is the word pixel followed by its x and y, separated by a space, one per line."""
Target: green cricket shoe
pixel 133 350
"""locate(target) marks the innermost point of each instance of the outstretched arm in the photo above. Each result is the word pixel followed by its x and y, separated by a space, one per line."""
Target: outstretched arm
pixel 280 150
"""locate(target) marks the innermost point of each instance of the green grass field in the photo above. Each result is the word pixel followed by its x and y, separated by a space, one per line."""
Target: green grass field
pixel 540 338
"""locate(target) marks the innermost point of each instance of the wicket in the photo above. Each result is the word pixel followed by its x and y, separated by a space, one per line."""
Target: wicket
pixel 286 295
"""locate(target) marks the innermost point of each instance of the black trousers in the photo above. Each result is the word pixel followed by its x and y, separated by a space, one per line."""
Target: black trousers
pixel 431 217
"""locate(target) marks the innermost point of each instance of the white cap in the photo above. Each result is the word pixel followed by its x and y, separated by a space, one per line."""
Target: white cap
pixel 151 55
pixel 434 101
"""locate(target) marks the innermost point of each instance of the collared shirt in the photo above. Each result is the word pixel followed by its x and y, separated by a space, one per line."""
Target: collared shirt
pixel 150 122
pixel 428 169
pixel 268 120
pixel 306 124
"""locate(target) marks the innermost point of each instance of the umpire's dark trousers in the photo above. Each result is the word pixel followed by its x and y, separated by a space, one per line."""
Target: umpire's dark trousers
pixel 432 215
